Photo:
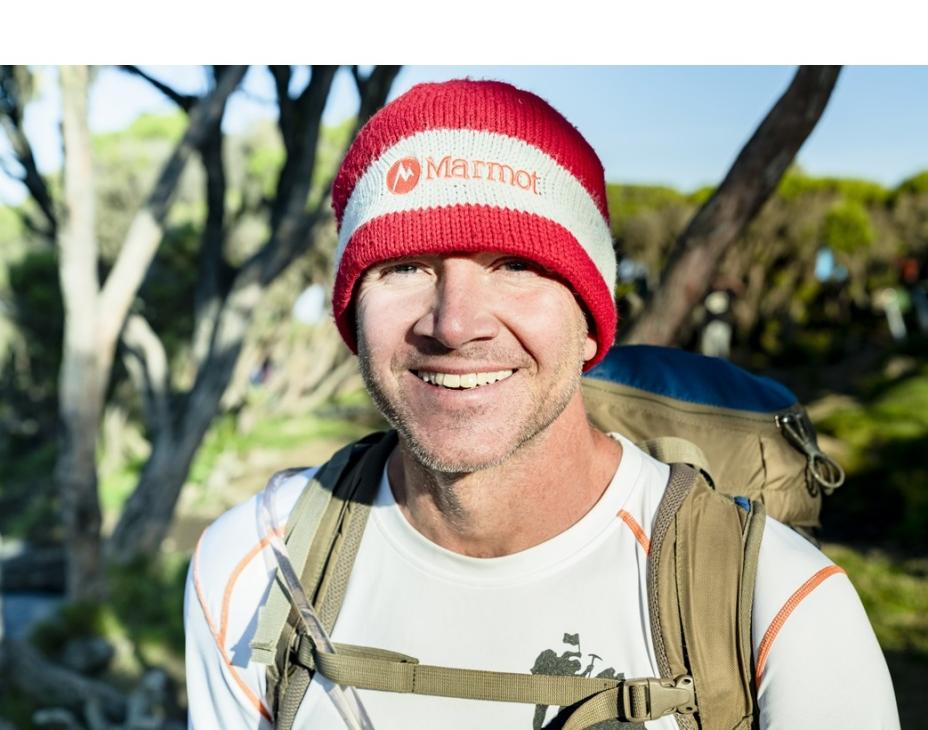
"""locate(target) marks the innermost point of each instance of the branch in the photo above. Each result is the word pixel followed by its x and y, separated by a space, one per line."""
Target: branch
pixel 296 175
pixel 184 101
pixel 12 109
pixel 282 76
pixel 373 91
pixel 146 229
pixel 147 364
pixel 750 182
pixel 213 269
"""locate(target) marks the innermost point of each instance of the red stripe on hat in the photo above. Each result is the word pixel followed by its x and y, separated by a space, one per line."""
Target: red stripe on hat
pixel 490 106
pixel 472 229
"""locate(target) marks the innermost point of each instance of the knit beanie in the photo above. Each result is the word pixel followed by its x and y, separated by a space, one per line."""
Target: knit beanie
pixel 467 166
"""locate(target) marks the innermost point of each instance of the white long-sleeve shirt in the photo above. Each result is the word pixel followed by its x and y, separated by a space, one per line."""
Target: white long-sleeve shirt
pixel 575 604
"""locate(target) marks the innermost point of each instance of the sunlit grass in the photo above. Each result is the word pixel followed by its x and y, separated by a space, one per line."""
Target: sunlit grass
pixel 273 434
pixel 894 592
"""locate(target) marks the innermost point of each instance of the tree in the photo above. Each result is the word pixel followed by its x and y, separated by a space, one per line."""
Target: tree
pixel 752 179
pixel 98 318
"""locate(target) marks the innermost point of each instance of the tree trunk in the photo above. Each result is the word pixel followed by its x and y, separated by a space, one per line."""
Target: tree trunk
pixel 146 517
pixel 752 179
pixel 80 383
pixel 94 318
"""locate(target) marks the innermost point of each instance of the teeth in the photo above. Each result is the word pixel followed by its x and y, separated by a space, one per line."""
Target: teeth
pixel 463 382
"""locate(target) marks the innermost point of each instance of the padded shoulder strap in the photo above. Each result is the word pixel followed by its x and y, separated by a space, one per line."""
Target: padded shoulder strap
pixel 701 572
pixel 325 528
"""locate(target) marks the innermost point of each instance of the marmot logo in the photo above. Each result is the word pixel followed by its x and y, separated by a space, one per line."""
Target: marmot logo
pixel 403 176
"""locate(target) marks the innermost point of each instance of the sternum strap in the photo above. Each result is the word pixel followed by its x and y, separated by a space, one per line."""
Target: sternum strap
pixel 603 699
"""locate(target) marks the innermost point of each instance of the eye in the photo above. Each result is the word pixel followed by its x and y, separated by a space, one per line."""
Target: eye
pixel 399 269
pixel 405 267
pixel 518 264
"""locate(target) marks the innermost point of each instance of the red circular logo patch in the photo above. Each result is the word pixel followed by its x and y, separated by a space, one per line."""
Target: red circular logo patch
pixel 403 176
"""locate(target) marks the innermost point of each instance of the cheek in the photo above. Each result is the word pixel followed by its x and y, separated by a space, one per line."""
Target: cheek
pixel 383 319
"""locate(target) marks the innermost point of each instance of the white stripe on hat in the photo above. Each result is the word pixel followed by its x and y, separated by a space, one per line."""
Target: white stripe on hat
pixel 501 171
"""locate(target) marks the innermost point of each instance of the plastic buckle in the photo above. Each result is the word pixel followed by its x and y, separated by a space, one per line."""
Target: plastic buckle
pixel 661 697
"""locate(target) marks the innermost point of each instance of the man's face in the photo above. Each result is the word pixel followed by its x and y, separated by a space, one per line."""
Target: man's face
pixel 469 356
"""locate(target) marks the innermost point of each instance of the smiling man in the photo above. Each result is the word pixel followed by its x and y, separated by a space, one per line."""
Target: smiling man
pixel 505 533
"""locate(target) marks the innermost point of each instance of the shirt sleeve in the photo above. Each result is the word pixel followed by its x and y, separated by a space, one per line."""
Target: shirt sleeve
pixel 817 661
pixel 219 695
pixel 229 579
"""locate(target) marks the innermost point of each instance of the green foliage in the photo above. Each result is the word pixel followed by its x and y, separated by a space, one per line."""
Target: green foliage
pixel 168 127
pixel 116 487
pixel 143 619
pixel 71 621
pixel 280 433
pixel 795 185
pixel 847 228
pixel 28 392
pixel 894 592
pixel 147 597
pixel 17 709
pixel 915 185
pixel 625 201
pixel 11 227
pixel 167 294
pixel 885 438
pixel 701 195
pixel 28 501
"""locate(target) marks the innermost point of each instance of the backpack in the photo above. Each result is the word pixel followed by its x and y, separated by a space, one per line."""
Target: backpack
pixel 739 446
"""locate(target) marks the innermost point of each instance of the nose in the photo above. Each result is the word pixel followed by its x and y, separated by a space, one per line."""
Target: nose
pixel 460 310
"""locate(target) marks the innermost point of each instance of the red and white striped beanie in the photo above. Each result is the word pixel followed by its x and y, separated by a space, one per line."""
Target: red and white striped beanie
pixel 467 166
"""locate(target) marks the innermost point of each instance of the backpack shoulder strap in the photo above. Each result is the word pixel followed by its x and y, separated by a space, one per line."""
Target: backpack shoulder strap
pixel 325 531
pixel 701 572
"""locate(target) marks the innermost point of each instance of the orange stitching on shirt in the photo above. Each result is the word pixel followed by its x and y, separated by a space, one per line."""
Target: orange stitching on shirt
pixel 201 597
pixel 794 600
pixel 218 637
pixel 227 595
pixel 636 529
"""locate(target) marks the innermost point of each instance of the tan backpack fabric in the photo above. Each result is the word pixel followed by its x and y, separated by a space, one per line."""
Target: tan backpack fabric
pixel 752 434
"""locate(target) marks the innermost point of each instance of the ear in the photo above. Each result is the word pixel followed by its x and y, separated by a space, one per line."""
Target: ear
pixel 589 348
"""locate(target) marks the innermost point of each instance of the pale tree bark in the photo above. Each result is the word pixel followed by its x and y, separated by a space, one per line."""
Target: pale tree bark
pixel 94 317
pixel 224 317
pixel 81 380
pixel 750 182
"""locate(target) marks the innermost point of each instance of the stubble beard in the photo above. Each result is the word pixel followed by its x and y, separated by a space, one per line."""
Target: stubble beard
pixel 545 411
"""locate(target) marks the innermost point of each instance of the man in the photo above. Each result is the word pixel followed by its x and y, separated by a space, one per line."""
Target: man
pixel 475 275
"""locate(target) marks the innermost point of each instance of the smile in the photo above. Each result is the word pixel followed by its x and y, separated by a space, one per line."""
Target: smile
pixel 457 381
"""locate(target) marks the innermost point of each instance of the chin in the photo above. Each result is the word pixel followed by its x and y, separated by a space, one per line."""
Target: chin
pixel 450 458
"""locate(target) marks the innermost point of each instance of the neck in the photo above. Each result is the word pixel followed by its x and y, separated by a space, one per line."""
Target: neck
pixel 546 486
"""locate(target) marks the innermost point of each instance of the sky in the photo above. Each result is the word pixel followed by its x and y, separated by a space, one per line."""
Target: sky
pixel 674 125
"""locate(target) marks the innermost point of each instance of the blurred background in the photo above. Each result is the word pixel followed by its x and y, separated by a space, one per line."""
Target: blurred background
pixel 166 248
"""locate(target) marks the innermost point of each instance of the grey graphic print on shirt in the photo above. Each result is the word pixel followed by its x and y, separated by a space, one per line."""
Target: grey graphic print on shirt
pixel 571 662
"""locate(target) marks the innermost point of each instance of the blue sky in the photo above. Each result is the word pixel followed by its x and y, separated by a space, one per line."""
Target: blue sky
pixel 674 125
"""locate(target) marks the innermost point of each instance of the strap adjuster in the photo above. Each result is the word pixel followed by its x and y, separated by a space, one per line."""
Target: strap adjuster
pixel 650 698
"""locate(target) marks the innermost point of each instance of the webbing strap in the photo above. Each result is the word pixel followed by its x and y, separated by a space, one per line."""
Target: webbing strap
pixel 633 700
pixel 675 450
